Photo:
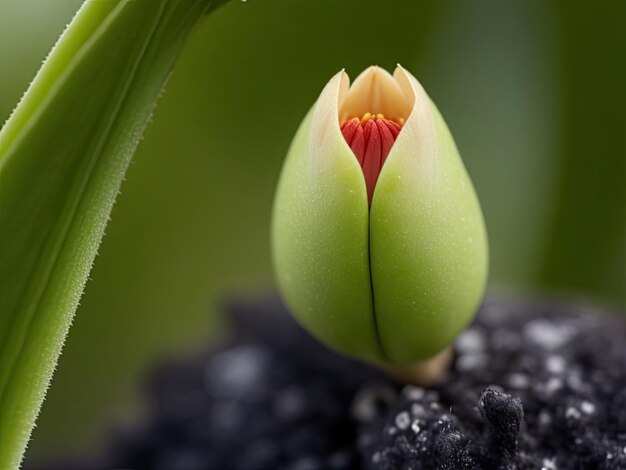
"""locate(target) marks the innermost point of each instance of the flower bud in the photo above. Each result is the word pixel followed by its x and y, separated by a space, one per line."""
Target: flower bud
pixel 378 239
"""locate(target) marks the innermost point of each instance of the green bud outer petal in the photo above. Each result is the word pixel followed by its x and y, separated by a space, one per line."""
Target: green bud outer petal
pixel 428 242
pixel 320 239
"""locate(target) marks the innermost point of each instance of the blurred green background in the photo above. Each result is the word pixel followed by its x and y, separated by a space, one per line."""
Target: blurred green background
pixel 533 91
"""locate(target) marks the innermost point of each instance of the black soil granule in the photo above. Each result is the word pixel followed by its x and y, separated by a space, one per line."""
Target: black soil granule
pixel 532 387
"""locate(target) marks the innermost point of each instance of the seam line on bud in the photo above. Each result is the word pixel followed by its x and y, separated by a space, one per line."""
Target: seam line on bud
pixel 379 340
pixel 371 138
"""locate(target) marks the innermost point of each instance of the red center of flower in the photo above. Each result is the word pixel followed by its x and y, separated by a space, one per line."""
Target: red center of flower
pixel 371 139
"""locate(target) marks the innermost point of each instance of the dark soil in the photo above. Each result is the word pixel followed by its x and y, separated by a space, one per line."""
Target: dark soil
pixel 533 386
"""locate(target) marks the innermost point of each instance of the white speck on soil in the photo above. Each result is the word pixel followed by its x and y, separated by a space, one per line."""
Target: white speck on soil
pixel 413 393
pixel 518 380
pixel 547 335
pixel 469 362
pixel 553 385
pixel 403 420
pixel 415 427
pixel 556 365
pixel 418 410
pixel 548 464
pixel 237 369
pixel 471 341
pixel 572 413
pixel 587 407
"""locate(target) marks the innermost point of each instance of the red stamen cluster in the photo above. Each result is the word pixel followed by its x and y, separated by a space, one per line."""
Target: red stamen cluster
pixel 371 139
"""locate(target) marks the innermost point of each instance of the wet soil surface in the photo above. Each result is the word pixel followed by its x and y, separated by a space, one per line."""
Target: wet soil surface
pixel 532 386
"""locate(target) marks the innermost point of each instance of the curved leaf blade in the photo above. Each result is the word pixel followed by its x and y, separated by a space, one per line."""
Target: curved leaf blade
pixel 63 156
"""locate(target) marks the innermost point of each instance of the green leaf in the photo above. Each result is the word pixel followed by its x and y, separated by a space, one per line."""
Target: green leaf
pixel 63 156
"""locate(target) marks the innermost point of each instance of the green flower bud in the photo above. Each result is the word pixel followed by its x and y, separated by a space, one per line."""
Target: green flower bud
pixel 379 245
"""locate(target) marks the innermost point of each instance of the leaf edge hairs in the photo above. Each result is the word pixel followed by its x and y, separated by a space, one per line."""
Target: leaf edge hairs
pixel 62 160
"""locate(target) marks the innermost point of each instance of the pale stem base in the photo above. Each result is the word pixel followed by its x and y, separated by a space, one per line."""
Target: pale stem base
pixel 425 373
